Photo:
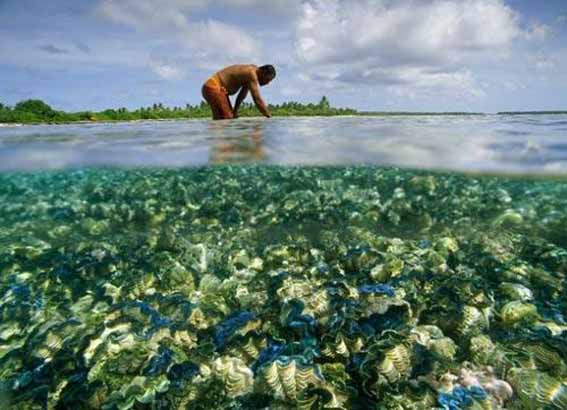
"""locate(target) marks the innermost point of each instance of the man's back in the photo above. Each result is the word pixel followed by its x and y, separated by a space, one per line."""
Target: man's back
pixel 234 77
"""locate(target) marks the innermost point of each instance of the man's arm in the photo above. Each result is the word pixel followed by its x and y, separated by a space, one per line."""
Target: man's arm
pixel 254 90
pixel 241 97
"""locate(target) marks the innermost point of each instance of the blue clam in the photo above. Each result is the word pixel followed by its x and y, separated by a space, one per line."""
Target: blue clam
pixel 377 289
pixel 226 329
pixel 461 398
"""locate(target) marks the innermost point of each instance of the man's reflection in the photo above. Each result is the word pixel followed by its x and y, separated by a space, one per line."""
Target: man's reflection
pixel 241 148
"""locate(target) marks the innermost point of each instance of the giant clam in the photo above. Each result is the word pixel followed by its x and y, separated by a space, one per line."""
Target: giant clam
pixel 328 288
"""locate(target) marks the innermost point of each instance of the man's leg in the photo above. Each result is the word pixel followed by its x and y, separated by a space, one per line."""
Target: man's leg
pixel 217 115
pixel 219 103
pixel 225 107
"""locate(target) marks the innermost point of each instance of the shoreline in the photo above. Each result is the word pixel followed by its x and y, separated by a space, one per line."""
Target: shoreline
pixel 362 114
pixel 359 114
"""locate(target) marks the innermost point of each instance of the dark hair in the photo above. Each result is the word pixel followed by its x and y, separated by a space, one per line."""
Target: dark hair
pixel 268 70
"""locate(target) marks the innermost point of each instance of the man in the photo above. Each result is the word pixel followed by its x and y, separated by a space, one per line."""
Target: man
pixel 228 81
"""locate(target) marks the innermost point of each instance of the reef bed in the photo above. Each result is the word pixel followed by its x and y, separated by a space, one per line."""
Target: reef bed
pixel 279 287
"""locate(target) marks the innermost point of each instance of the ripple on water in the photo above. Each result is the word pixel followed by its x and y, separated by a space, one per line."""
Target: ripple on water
pixel 461 143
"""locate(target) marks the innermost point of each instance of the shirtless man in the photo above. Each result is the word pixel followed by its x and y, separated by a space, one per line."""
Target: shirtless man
pixel 228 81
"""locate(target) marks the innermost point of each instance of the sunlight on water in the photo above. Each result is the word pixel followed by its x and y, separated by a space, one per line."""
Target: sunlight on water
pixel 526 144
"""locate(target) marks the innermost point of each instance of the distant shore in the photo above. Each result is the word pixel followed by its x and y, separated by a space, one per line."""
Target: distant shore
pixel 532 113
pixel 36 112
pixel 358 114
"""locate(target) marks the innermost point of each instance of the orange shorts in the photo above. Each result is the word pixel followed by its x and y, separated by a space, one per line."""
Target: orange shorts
pixel 217 97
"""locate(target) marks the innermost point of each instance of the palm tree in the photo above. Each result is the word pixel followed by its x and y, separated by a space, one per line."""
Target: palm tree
pixel 324 103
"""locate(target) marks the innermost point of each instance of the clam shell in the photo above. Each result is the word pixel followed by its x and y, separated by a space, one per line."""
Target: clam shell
pixel 286 380
pixel 237 377
pixel 396 364
pixel 516 312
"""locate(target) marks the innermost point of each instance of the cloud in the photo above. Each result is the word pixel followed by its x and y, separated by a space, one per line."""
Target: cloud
pixel 166 69
pixel 216 43
pixel 281 8
pixel 207 44
pixel 148 14
pixel 51 49
pixel 83 47
pixel 416 83
pixel 419 45
pixel 410 31
pixel 175 13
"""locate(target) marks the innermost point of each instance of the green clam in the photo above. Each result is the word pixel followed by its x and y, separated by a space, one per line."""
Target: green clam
pixel 515 312
pixel 516 292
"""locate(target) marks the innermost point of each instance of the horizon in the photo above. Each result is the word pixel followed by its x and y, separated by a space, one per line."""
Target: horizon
pixel 484 56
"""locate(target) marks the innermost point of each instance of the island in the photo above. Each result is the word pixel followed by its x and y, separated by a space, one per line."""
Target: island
pixel 35 111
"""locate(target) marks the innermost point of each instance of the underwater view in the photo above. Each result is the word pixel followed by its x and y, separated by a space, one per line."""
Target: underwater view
pixel 348 263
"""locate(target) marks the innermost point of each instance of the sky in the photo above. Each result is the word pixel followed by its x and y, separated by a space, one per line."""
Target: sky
pixel 390 55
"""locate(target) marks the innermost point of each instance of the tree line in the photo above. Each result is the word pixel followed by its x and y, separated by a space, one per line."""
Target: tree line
pixel 37 111
pixel 532 113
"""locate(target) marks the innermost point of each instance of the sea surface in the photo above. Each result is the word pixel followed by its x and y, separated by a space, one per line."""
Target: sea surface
pixel 299 263
pixel 491 143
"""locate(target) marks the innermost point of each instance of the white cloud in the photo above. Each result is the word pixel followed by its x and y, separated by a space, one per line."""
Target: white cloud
pixel 216 44
pixel 208 44
pixel 338 30
pixel 411 47
pixel 148 14
pixel 167 69
pixel 175 14
pixel 416 83
pixel 284 8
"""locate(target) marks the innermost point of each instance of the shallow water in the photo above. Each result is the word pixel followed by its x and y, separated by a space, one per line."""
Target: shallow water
pixel 263 286
pixel 491 143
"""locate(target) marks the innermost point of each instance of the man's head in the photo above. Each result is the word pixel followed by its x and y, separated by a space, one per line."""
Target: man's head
pixel 266 73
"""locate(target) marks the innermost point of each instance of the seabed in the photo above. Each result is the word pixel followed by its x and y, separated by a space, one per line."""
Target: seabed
pixel 250 287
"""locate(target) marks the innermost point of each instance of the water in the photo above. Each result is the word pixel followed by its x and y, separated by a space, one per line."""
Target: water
pixel 266 283
pixel 492 143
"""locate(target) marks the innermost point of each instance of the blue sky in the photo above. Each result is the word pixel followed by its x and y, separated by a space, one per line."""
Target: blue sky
pixel 433 55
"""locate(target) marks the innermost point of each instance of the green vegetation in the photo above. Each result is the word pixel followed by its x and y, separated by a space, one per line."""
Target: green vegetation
pixel 36 111
pixel 532 112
